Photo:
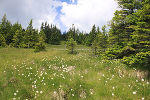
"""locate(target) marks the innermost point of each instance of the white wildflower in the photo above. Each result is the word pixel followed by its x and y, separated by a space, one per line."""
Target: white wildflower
pixel 14 98
pixel 15 93
pixel 147 82
pixel 113 87
pixel 37 91
pixel 112 94
pixel 134 92
pixel 41 92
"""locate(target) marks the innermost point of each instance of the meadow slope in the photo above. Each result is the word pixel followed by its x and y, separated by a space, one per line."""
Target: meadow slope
pixel 56 75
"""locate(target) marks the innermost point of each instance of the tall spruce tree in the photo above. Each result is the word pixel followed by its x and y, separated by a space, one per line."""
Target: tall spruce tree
pixel 141 33
pixel 31 36
pixel 40 45
pixel 100 42
pixel 5 29
pixel 120 34
pixel 17 39
pixel 92 35
pixel 18 35
pixel 52 33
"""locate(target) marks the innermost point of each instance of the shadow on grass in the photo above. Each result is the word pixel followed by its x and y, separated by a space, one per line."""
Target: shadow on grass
pixel 73 53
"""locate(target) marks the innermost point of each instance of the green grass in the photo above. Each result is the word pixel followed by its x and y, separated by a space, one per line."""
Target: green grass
pixel 56 75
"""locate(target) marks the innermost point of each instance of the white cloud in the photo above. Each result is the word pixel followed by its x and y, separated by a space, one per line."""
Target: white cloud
pixel 51 14
pixel 72 1
pixel 82 13
pixel 86 13
pixel 24 10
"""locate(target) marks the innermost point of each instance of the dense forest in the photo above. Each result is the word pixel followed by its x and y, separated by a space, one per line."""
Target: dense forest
pixel 128 37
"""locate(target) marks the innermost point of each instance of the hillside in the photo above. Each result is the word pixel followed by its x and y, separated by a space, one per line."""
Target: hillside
pixel 56 75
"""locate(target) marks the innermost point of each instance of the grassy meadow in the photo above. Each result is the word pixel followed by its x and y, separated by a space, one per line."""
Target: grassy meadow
pixel 56 75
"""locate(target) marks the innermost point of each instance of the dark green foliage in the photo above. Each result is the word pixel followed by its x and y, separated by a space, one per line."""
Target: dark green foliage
pixel 140 37
pixel 92 35
pixel 71 33
pixel 141 34
pixel 95 46
pixel 126 51
pixel 64 37
pixel 78 36
pixel 5 29
pixel 2 41
pixel 40 46
pixel 17 39
pixel 55 36
pixel 100 42
pixel 141 59
pixel 129 35
pixel 18 35
pixel 71 46
pixel 30 36
pixel 52 33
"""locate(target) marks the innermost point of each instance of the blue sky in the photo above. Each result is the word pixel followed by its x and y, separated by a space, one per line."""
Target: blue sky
pixel 82 13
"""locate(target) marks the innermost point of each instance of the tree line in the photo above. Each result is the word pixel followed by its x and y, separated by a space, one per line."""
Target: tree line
pixel 128 38
pixel 15 36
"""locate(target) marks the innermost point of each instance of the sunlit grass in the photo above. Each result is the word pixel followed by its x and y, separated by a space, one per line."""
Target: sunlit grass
pixel 57 75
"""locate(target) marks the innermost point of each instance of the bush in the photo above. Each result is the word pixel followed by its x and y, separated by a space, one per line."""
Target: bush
pixel 71 46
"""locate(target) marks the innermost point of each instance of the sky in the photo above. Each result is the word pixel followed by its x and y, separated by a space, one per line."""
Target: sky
pixel 63 13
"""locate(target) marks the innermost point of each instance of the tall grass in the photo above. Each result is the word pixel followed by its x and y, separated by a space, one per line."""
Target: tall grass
pixel 57 75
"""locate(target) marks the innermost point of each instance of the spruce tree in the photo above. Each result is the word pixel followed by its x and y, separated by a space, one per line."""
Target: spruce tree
pixel 17 39
pixel 31 36
pixel 92 35
pixel 5 29
pixel 40 45
pixel 2 41
pixel 17 35
pixel 141 34
pixel 71 46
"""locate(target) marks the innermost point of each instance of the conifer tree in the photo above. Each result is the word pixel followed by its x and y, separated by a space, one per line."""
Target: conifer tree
pixel 18 35
pixel 52 33
pixel 5 29
pixel 31 36
pixel 100 42
pixel 92 35
pixel 2 41
pixel 40 45
pixel 71 45
pixel 141 34
pixel 18 39
pixel 71 32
